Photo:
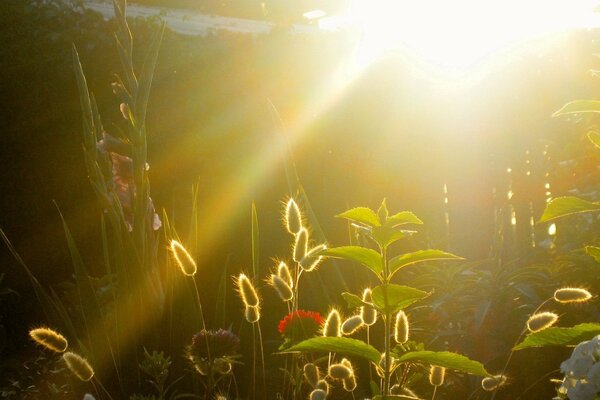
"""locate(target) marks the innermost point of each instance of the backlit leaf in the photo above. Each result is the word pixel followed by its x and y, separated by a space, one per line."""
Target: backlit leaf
pixel 446 359
pixel 567 205
pixel 403 217
pixel 363 215
pixel 339 345
pixel 594 252
pixel 367 257
pixel 398 297
pixel 419 256
pixel 578 107
pixel 556 336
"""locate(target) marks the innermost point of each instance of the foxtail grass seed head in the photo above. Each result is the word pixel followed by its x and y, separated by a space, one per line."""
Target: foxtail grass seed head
pixel 318 394
pixel 540 321
pixel 78 366
pixel 368 314
pixel 183 259
pixel 50 339
pixel 293 217
pixel 323 385
pixel 312 259
pixel 283 290
pixel 332 327
pixel 572 295
pixel 349 384
pixel 284 273
pixel 491 383
pixel 247 292
pixel 437 375
pixel 125 111
pixel 401 328
pixel 339 371
pixel 252 314
pixel 88 396
pixel 351 325
pixel 301 245
pixel 311 374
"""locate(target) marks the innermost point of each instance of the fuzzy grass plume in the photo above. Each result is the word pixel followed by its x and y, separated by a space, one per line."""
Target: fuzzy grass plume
pixel 283 272
pixel 79 366
pixel 183 259
pixel 292 217
pixel 312 258
pixel 50 339
pixel 437 375
pixel 300 245
pixel 247 292
pixel 284 291
pixel 401 328
pixel 491 383
pixel 368 314
pixel 332 325
pixel 572 295
pixel 351 325
pixel 540 321
pixel 252 314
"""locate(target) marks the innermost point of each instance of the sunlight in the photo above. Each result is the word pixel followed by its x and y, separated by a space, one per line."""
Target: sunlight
pixel 459 34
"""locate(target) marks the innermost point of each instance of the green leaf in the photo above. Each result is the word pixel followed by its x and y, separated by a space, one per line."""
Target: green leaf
pixel 419 256
pixel 594 252
pixel 556 336
pixel 353 300
pixel 449 360
pixel 145 82
pixel 386 235
pixel 382 212
pixel 567 205
pixel 398 297
pixel 367 257
pixel 362 215
pixel 403 217
pixel 579 106
pixel 340 345
pixel 594 137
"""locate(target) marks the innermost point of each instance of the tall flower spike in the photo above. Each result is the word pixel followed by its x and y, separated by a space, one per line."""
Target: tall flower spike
pixel 301 245
pixel 572 295
pixel 312 259
pixel 437 375
pixel 282 288
pixel 540 321
pixel 50 339
pixel 293 217
pixel 332 327
pixel 284 273
pixel 79 366
pixel 368 314
pixel 247 292
pixel 401 328
pixel 183 259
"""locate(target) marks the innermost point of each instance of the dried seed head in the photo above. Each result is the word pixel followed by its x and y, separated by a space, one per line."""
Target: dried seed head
pixel 572 295
pixel 349 384
pixel 247 292
pixel 331 327
pixel 318 394
pixel 221 366
pixel 252 314
pixel 368 314
pixel 50 339
pixel 293 217
pixel 339 371
pixel 312 259
pixel 311 374
pixel 283 290
pixel 437 375
pixel 492 383
pixel 183 259
pixel 351 325
pixel 284 273
pixel 540 321
pixel 79 366
pixel 401 328
pixel 300 245
pixel 323 385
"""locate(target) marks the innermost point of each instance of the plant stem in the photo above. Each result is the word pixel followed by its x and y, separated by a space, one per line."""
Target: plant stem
pixel 434 392
pixel 386 324
pixel 262 358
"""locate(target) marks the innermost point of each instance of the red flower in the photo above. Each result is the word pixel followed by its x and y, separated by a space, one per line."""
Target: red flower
pixel 300 325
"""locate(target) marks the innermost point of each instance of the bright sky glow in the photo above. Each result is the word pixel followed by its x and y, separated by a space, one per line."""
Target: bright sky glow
pixel 459 33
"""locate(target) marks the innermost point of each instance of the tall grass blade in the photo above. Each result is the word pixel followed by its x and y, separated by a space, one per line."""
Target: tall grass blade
pixel 255 243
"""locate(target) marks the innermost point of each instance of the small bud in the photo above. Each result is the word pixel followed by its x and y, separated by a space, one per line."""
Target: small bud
pixel 572 295
pixel 283 290
pixel 284 273
pixel 331 327
pixel 293 217
pixel 311 374
pixel 540 321
pixel 79 366
pixel 252 314
pixel 312 258
pixel 401 328
pixel 492 383
pixel 50 339
pixel 183 259
pixel 437 375
pixel 351 325
pixel 247 292
pixel 301 245
pixel 368 314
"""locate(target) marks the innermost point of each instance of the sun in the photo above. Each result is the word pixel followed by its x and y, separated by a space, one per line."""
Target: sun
pixel 458 34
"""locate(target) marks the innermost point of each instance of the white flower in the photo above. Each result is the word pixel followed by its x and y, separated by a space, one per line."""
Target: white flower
pixel 582 391
pixel 578 367
pixel 593 376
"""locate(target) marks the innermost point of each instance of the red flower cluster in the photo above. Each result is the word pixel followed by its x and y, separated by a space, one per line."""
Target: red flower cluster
pixel 300 324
